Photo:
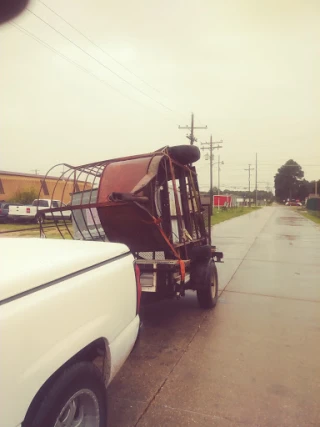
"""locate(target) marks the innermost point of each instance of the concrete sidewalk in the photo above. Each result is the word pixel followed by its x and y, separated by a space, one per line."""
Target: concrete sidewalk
pixel 252 361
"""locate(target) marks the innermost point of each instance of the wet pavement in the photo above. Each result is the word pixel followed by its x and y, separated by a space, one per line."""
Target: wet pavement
pixel 255 359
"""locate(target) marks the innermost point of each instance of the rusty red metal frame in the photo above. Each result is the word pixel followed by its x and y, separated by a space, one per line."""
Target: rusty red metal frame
pixel 90 175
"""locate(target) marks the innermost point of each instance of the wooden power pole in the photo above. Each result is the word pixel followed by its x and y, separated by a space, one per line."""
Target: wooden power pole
pixel 256 179
pixel 211 146
pixel 250 169
pixel 191 137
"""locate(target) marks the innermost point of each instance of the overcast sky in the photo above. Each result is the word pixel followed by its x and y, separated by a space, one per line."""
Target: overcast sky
pixel 248 69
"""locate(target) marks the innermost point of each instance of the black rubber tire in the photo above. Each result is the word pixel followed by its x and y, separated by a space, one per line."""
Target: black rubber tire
pixel 82 375
pixel 206 273
pixel 184 154
pixel 200 253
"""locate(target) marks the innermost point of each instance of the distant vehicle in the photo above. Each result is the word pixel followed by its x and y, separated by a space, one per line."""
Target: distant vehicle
pixel 33 212
pixel 293 203
pixel 69 319
pixel 4 210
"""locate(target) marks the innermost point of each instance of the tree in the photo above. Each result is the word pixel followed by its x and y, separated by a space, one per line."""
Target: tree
pixel 288 181
pixel 214 190
pixel 25 197
pixel 305 188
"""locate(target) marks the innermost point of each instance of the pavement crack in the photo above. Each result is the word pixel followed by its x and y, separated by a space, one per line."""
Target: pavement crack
pixel 272 296
pixel 275 262
pixel 171 370
pixel 244 257
pixel 213 417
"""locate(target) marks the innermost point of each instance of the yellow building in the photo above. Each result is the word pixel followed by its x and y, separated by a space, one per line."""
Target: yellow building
pixel 13 182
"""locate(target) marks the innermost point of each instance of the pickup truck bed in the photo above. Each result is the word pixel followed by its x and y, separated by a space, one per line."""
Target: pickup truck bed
pixel 58 299
pixel 33 212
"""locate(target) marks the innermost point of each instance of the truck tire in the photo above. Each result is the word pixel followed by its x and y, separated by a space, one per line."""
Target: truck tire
pixel 200 253
pixel 78 393
pixel 206 283
pixel 184 154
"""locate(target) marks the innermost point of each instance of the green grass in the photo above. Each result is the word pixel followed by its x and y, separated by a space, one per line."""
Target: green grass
pixel 222 215
pixel 33 230
pixel 312 215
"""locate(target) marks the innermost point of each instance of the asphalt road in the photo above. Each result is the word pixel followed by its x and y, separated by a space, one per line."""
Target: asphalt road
pixel 252 361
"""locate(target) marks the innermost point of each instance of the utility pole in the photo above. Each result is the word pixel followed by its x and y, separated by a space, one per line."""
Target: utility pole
pixel 219 169
pixel 219 175
pixel 256 179
pixel 249 170
pixel 35 171
pixel 191 137
pixel 211 146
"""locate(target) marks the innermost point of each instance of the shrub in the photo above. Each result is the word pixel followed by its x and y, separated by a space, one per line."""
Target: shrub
pixel 24 197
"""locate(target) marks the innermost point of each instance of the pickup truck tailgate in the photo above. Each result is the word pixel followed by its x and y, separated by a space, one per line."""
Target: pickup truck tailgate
pixel 22 210
pixel 29 263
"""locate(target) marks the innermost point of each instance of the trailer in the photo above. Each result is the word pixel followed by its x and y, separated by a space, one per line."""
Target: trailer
pixel 151 203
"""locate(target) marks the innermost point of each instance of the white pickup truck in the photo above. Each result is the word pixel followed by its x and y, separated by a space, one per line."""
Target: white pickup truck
pixel 33 212
pixel 69 318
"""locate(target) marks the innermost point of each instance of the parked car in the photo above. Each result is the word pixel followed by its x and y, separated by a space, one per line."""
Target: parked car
pixel 4 210
pixel 69 319
pixel 33 212
pixel 293 203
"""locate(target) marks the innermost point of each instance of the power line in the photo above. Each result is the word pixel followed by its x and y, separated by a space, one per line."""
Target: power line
pixel 97 46
pixel 71 61
pixel 275 164
pixel 104 51
pixel 97 60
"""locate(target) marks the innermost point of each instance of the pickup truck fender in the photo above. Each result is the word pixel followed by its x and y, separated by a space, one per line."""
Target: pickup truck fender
pixel 64 328
pixel 56 359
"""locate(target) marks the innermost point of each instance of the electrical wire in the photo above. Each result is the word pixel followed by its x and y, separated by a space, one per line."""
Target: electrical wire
pixel 97 60
pixel 97 46
pixel 104 51
pixel 71 61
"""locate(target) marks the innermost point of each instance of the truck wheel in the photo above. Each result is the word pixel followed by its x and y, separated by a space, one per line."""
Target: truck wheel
pixel 200 253
pixel 184 154
pixel 207 291
pixel 76 398
pixel 40 218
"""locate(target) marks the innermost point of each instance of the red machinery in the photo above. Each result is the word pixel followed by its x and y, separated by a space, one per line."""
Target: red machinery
pixel 151 203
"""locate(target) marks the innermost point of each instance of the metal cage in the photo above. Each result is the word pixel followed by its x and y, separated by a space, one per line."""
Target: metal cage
pixel 150 202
